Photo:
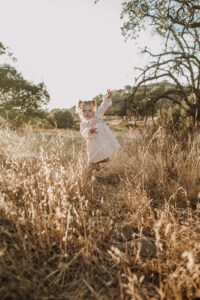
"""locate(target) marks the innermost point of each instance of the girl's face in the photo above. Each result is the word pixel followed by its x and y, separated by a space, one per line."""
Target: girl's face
pixel 87 110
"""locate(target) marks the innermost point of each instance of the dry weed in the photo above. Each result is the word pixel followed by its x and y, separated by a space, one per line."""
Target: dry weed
pixel 131 233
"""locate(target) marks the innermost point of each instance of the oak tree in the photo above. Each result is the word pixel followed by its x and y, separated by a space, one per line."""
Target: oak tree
pixel 18 93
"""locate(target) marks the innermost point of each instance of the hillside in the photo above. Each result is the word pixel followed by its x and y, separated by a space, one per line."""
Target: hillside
pixel 119 96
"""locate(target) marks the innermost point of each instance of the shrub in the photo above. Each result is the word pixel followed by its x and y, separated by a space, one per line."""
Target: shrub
pixel 62 118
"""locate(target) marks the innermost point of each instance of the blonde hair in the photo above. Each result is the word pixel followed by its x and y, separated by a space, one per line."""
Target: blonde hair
pixel 79 106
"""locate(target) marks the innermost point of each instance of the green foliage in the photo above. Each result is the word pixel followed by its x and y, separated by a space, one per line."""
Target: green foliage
pixel 15 91
pixel 161 15
pixel 36 122
pixel 61 118
pixel 174 119
pixel 20 100
pixel 2 49
pixel 5 51
pixel 17 119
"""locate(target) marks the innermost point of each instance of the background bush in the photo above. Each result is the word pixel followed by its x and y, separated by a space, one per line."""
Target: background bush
pixel 61 118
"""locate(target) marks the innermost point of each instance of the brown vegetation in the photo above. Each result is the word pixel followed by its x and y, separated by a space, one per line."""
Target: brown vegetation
pixel 130 233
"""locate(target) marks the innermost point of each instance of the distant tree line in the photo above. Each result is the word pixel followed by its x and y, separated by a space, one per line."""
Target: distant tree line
pixel 23 103
pixel 20 100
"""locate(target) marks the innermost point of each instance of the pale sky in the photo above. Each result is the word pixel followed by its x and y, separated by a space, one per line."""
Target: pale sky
pixel 74 46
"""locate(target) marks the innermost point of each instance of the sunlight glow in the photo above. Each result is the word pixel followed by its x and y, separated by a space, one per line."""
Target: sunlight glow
pixel 74 46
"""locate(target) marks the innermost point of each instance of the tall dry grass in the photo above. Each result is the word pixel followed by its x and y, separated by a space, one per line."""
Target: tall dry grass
pixel 131 233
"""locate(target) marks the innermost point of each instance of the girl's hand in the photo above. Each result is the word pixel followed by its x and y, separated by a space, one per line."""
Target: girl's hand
pixel 109 93
pixel 93 130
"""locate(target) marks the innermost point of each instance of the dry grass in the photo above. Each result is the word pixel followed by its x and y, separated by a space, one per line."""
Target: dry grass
pixel 66 237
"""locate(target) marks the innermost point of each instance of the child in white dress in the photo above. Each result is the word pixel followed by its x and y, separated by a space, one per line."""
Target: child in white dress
pixel 101 142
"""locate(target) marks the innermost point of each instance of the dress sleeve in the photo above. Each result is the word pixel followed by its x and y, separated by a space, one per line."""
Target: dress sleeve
pixel 107 102
pixel 85 132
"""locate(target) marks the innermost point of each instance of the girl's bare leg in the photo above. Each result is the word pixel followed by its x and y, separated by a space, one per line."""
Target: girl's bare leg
pixel 96 166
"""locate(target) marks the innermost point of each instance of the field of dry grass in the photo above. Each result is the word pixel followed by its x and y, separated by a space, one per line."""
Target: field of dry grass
pixel 130 233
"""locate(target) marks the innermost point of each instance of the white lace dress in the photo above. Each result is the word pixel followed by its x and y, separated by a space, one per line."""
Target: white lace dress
pixel 102 144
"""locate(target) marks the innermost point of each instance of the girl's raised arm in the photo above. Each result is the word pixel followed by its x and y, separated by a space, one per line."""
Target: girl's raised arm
pixel 107 102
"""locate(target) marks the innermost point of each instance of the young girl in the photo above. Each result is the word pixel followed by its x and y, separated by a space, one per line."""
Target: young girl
pixel 101 143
